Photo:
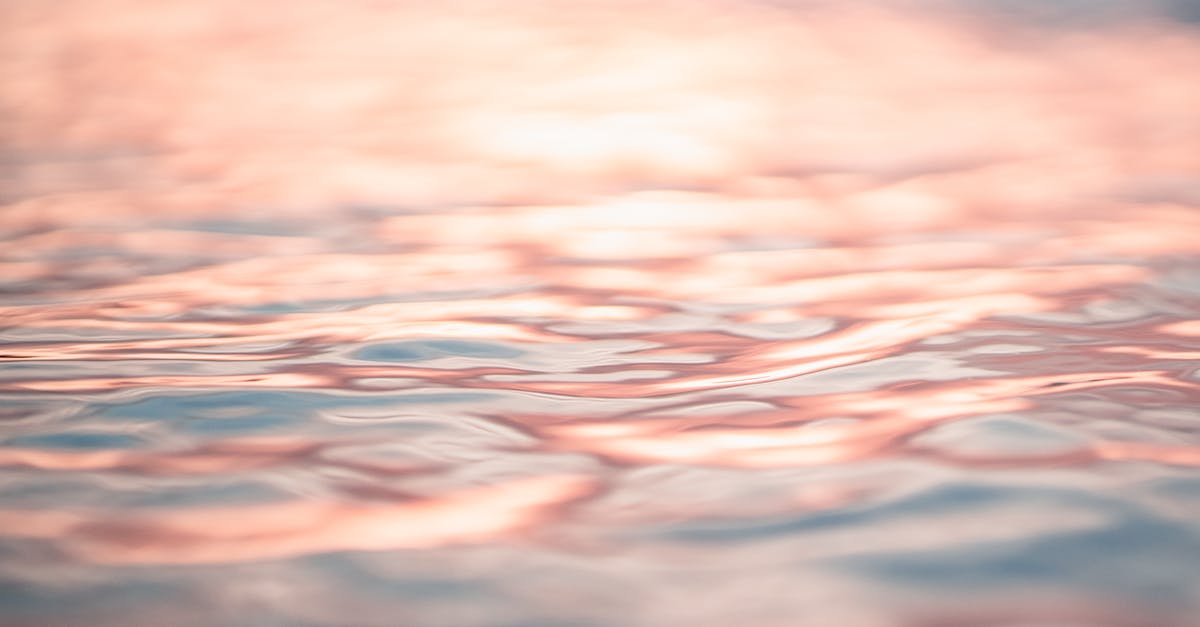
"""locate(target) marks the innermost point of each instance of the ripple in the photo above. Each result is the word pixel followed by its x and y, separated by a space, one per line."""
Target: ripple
pixel 688 313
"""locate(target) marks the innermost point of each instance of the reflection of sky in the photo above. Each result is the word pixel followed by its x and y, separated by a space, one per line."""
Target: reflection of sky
pixel 700 313
pixel 377 104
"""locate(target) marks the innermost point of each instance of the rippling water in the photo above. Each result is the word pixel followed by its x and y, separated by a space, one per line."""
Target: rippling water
pixel 705 314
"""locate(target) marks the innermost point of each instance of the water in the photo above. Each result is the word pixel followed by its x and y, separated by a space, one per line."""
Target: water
pixel 696 314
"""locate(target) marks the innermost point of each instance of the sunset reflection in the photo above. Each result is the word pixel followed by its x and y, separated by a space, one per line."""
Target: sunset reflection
pixel 297 528
pixel 712 312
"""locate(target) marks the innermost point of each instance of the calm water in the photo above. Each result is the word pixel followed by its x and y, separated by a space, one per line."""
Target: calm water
pixel 703 314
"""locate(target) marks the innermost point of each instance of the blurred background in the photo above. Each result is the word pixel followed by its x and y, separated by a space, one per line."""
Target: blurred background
pixel 304 105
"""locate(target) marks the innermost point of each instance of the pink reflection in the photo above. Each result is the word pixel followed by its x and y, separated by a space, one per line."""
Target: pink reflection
pixel 662 205
pixel 229 455
pixel 280 530
pixel 715 93
pixel 867 424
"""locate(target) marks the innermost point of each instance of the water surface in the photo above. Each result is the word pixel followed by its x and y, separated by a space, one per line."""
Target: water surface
pixel 708 314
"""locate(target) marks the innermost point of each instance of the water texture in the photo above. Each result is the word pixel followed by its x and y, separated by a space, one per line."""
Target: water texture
pixel 504 314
